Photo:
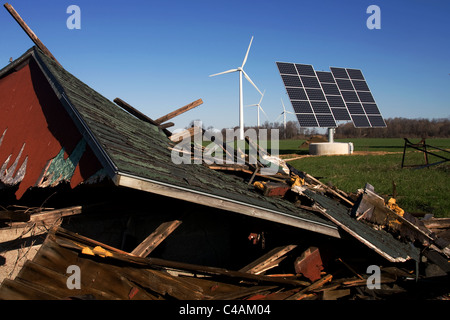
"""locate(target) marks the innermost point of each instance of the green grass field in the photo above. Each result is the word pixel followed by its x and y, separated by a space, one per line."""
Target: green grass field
pixel 418 190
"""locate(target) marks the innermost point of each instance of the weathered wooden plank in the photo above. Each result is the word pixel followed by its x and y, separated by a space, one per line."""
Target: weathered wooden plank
pixel 17 290
pixel 335 294
pixel 130 109
pixel 155 262
pixel 319 283
pixel 56 214
pixel 28 31
pixel 261 264
pixel 155 238
pixel 166 125
pixel 18 216
pixel 185 134
pixel 134 111
pixel 53 283
pixel 437 223
pixel 165 284
pixel 179 111
pixel 327 188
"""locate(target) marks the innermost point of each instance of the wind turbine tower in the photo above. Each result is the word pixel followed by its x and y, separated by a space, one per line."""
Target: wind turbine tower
pixel 241 96
pixel 258 105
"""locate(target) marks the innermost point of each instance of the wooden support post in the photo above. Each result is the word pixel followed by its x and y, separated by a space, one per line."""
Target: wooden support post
pixel 29 32
pixel 154 239
pixel 179 111
pixel 404 152
pixel 425 153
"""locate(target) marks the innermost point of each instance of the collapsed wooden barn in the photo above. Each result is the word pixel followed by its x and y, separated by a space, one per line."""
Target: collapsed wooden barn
pixel 74 159
pixel 70 136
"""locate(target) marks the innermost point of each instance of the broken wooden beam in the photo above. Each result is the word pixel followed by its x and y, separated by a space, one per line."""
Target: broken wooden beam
pixel 304 292
pixel 309 264
pixel 179 111
pixel 185 135
pixel 167 125
pixel 329 189
pixel 130 109
pixel 437 223
pixel 29 32
pixel 44 217
pixel 155 238
pixel 266 262
pixel 56 214
pixel 14 216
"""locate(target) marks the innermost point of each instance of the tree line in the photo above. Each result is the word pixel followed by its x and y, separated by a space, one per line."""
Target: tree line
pixel 399 128
pixel 395 128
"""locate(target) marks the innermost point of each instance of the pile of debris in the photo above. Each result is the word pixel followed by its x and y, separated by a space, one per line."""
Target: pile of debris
pixel 412 256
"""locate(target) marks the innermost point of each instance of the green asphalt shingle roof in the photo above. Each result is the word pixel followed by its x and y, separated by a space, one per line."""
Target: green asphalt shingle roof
pixel 125 144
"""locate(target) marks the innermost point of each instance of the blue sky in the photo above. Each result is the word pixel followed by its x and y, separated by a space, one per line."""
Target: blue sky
pixel 158 55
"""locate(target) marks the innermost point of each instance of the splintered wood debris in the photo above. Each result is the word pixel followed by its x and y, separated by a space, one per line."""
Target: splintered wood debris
pixel 287 272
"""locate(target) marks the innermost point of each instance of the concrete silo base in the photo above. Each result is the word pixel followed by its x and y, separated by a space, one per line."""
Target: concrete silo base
pixel 330 148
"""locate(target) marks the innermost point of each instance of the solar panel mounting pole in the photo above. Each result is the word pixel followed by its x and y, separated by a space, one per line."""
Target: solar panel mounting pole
pixel 330 135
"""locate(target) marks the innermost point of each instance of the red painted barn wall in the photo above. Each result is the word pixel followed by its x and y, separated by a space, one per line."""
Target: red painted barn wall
pixel 31 113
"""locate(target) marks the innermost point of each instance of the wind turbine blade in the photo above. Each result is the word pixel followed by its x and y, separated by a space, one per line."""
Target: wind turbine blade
pixel 264 112
pixel 250 80
pixel 284 109
pixel 228 71
pixel 246 55
pixel 262 96
pixel 278 117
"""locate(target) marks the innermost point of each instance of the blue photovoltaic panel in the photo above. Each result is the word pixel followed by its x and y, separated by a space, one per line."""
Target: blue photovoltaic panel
pixel 333 96
pixel 355 74
pixel 310 82
pixel 306 95
pixel 307 120
pixel 296 93
pixel 325 77
pixel 358 98
pixel 360 121
pixel 320 98
pixel 360 85
pixel 287 68
pixel 305 70
pixel 339 73
pixel 291 80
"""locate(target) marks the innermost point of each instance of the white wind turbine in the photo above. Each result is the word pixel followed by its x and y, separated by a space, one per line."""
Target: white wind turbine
pixel 283 114
pixel 258 105
pixel 241 97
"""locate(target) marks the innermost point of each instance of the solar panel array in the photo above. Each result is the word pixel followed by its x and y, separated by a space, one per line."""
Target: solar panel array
pixel 321 98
